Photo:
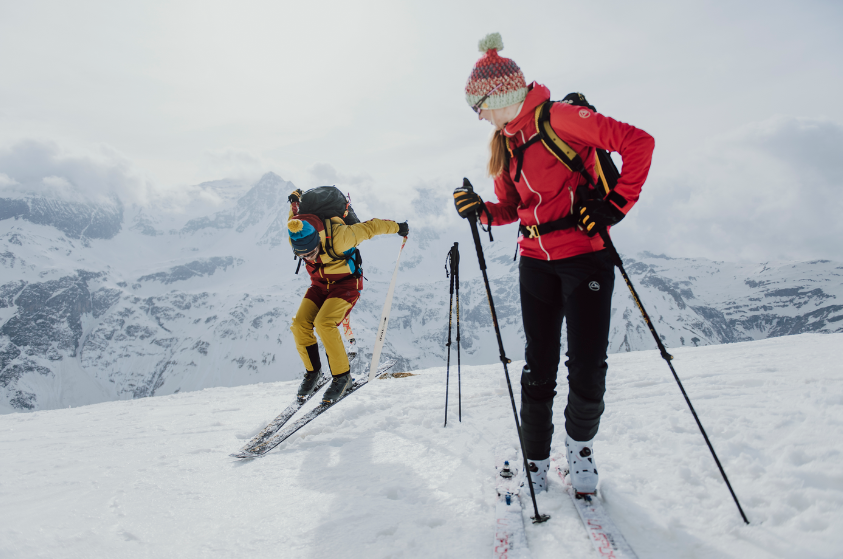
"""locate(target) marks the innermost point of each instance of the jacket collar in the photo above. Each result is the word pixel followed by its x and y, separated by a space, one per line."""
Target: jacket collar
pixel 536 95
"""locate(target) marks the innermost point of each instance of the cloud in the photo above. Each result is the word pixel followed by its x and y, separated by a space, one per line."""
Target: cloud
pixel 233 163
pixel 43 168
pixel 6 180
pixel 768 190
pixel 325 174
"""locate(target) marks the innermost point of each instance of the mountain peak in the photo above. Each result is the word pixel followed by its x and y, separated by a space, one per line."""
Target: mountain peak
pixel 270 177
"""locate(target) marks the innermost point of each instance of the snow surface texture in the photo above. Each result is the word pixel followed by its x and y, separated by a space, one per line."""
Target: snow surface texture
pixel 106 302
pixel 378 476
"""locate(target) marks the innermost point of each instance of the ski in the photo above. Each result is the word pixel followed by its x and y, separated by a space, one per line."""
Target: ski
pixel 510 535
pixel 275 425
pixel 282 435
pixel 607 540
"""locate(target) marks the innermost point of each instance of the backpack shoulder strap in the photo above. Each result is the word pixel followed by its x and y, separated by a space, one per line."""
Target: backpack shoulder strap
pixel 518 153
pixel 607 172
pixel 556 145
pixel 329 243
pixel 353 255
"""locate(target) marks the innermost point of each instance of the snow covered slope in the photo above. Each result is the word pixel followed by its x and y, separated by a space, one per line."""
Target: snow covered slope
pixel 104 301
pixel 378 476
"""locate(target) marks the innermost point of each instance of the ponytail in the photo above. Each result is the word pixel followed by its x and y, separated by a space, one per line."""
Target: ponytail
pixel 498 155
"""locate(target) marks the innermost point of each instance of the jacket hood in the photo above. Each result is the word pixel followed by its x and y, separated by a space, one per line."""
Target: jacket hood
pixel 536 95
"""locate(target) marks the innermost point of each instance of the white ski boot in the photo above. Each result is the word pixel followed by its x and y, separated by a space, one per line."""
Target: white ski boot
pixel 581 465
pixel 538 473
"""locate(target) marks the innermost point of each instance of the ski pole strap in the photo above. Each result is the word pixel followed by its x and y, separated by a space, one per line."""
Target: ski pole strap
pixel 489 220
pixel 536 231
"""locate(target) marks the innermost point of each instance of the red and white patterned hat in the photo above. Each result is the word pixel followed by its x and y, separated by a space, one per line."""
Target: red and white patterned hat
pixel 493 70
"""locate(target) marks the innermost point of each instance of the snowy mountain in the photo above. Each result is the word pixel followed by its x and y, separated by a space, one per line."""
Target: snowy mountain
pixel 77 220
pixel 378 476
pixel 101 301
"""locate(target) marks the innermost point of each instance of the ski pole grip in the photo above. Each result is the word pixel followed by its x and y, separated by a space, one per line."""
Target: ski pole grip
pixel 474 217
pixel 472 220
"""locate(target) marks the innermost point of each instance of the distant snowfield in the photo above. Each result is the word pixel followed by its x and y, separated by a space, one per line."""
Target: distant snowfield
pixel 378 476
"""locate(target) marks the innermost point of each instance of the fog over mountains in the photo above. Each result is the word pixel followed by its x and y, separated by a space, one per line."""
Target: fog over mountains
pixel 102 301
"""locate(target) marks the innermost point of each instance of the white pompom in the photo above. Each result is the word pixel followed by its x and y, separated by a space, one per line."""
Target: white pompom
pixel 491 41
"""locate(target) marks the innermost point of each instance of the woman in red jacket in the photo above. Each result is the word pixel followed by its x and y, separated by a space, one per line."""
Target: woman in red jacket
pixel 565 271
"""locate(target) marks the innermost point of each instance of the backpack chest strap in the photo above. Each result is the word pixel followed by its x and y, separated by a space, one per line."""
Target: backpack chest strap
pixel 536 231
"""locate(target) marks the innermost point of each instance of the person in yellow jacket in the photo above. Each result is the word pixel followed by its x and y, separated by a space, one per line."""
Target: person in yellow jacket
pixel 333 262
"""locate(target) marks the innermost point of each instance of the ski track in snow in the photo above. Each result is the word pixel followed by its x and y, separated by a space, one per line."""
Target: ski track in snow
pixel 378 476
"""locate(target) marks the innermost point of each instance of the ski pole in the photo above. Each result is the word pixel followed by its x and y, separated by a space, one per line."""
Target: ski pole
pixel 449 263
pixel 472 220
pixel 387 305
pixel 456 273
pixel 604 234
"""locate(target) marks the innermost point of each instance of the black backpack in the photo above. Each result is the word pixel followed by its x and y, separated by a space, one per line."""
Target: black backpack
pixel 327 202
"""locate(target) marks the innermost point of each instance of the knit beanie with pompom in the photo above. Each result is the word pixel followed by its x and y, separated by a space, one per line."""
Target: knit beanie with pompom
pixel 303 236
pixel 492 70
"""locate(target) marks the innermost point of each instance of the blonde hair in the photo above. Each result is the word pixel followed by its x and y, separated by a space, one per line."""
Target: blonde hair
pixel 498 154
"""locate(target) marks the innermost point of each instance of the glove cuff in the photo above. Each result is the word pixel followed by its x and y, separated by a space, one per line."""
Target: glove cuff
pixel 618 214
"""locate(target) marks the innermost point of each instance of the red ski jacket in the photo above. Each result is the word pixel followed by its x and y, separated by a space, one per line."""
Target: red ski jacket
pixel 547 189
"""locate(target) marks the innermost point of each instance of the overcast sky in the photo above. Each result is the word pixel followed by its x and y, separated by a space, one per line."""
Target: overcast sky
pixel 743 98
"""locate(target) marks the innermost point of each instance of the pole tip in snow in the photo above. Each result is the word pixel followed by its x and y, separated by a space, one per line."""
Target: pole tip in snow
pixel 540 518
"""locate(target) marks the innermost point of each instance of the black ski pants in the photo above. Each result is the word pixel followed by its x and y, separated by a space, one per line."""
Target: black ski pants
pixel 578 289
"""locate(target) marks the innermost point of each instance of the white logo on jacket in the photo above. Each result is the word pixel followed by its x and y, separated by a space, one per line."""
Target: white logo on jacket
pixel 585 113
pixel 594 286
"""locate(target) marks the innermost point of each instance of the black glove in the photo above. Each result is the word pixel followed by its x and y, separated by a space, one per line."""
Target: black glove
pixel 595 215
pixel 295 196
pixel 403 229
pixel 467 201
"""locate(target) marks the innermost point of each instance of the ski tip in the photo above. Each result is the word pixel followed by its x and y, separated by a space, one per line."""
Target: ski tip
pixel 386 366
pixel 243 455
pixel 382 370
